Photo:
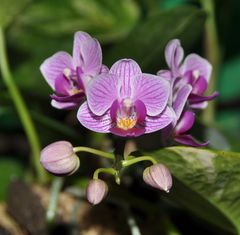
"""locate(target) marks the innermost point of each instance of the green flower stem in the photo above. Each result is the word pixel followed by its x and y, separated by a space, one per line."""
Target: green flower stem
pixel 135 160
pixel 212 51
pixel 119 145
pixel 110 171
pixel 22 110
pixel 93 151
pixel 53 201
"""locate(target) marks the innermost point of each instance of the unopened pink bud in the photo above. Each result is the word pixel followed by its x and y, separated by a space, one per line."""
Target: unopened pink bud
pixel 59 158
pixel 97 189
pixel 158 176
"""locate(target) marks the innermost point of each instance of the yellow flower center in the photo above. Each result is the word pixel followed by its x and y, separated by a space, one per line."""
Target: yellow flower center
pixel 126 115
pixel 74 91
pixel 126 123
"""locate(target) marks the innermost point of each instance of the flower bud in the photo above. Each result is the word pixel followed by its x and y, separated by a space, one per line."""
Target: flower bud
pixel 97 189
pixel 59 158
pixel 158 176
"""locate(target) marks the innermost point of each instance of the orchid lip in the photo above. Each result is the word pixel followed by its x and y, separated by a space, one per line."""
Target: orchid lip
pixel 127 123
pixel 127 114
pixel 68 84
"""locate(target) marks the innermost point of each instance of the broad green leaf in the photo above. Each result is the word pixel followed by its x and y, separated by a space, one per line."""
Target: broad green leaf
pixel 206 183
pixel 10 9
pixel 146 43
pixel 108 20
pixel 9 169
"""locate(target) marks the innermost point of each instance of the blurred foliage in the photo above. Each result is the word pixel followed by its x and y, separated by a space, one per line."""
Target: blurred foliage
pixel 10 168
pixel 8 120
pixel 229 122
pixel 168 4
pixel 216 138
pixel 147 46
pixel 230 80
pixel 10 9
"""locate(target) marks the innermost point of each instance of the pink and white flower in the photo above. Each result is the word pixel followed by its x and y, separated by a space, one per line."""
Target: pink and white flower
pixel 69 75
pixel 126 102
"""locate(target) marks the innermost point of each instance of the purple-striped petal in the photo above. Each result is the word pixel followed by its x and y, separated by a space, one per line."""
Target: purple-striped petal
pixel 101 93
pixel 160 121
pixel 190 141
pixel 181 99
pixel 174 55
pixel 80 39
pixel 194 62
pixel 104 69
pixel 54 66
pixel 141 110
pixel 87 53
pixel 185 123
pixel 93 122
pixel 153 91
pixel 166 74
pixel 125 70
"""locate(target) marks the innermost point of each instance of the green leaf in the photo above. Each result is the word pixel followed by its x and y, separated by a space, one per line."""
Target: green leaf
pixel 146 43
pixel 10 9
pixel 9 169
pixel 108 20
pixel 206 183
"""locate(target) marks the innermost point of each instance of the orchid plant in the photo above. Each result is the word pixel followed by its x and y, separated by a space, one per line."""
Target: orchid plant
pixel 126 102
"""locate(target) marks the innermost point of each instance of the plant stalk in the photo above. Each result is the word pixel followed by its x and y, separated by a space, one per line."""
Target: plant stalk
pixel 22 111
pixel 57 184
pixel 135 160
pixel 212 52
pixel 93 151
